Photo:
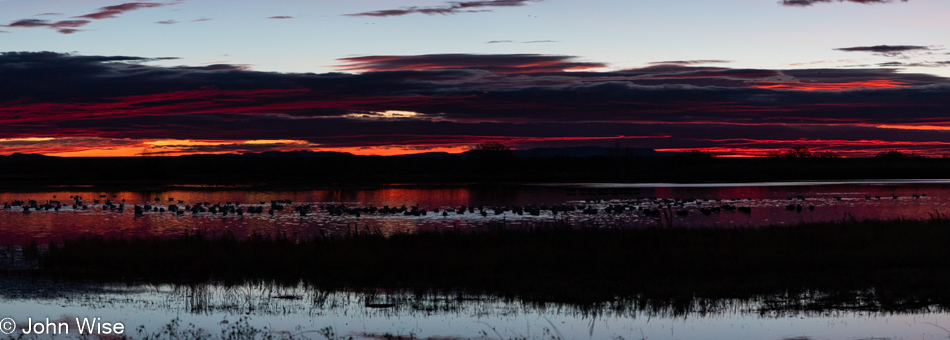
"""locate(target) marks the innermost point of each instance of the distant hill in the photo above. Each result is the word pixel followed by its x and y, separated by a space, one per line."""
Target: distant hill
pixel 430 155
pixel 303 169
pixel 298 154
pixel 579 151
pixel 590 151
pixel 27 155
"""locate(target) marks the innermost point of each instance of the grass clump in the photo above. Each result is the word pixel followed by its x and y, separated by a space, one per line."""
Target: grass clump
pixel 897 262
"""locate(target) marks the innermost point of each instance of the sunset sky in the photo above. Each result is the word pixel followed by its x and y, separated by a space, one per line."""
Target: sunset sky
pixel 733 77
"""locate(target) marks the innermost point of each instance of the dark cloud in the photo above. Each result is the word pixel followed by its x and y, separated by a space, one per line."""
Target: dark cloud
pixel 805 3
pixel 888 50
pixel 202 19
pixel 884 48
pixel 167 22
pixel 70 23
pixel 281 17
pixel 110 12
pixel 454 7
pixel 438 100
pixel 916 64
pixel 689 62
pixel 63 26
pixel 499 63
pixel 523 42
pixel 29 23
pixel 69 26
pixel 215 67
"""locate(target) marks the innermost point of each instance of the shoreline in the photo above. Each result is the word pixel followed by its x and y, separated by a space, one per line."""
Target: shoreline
pixel 153 187
pixel 28 173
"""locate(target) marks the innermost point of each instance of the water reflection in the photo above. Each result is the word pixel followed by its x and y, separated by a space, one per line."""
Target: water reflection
pixel 84 212
pixel 374 313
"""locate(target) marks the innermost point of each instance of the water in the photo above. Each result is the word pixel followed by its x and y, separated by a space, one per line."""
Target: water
pixel 768 203
pixel 304 311
pixel 372 315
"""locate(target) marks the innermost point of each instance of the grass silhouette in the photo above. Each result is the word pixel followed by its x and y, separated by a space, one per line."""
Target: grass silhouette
pixel 896 263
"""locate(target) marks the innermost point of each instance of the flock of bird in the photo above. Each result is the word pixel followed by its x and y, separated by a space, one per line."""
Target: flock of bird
pixel 649 207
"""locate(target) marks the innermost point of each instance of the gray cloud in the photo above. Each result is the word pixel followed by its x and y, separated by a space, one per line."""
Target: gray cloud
pixel 454 7
pixel 689 62
pixel 70 23
pixel 916 64
pixel 63 26
pixel 29 23
pixel 806 3
pixel 522 42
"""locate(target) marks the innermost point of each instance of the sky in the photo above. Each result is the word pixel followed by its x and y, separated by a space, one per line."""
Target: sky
pixel 373 77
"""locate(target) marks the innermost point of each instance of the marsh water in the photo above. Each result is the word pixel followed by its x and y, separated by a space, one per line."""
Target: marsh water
pixel 188 312
pixel 75 213
pixel 315 314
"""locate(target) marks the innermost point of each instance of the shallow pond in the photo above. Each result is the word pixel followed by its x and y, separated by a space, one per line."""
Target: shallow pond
pixel 195 311
pixel 87 212
pixel 315 314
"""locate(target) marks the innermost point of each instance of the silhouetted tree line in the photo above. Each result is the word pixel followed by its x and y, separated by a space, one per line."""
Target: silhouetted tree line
pixel 491 150
pixel 802 152
pixel 897 154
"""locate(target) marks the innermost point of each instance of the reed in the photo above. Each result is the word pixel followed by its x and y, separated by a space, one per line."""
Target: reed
pixel 898 261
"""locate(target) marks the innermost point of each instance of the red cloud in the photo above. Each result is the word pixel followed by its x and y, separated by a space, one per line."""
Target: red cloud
pixel 842 86
pixel 453 100
pixel 109 12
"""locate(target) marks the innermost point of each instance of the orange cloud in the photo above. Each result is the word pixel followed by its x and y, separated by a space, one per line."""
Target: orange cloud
pixel 843 86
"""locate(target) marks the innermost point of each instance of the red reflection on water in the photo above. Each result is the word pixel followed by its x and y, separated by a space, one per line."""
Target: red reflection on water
pixel 768 203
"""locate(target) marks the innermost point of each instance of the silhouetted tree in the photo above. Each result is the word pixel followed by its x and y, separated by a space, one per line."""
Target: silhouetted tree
pixel 896 154
pixel 697 154
pixel 491 150
pixel 491 146
pixel 799 152
pixel 618 150
pixel 828 154
pixel 803 152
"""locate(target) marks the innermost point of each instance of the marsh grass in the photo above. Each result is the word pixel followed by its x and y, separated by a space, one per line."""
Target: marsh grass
pixel 893 264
